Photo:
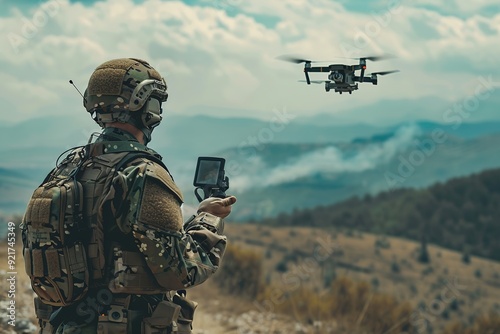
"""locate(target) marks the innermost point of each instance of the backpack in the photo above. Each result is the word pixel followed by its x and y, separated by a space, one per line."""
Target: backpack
pixel 53 236
pixel 62 246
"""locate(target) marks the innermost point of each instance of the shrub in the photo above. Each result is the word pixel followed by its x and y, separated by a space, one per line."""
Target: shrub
pixel 454 305
pixel 382 242
pixel 423 254
pixel 349 233
pixel 351 302
pixel 241 272
pixel 466 257
pixel 395 267
pixel 427 271
pixel 478 273
pixel 282 266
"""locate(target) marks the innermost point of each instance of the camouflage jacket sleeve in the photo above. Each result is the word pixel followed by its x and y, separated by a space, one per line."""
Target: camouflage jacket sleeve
pixel 145 202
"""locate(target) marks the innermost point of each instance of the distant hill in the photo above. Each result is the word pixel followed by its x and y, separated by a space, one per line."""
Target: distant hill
pixel 38 142
pixel 461 214
pixel 388 264
pixel 284 177
pixel 395 111
pixel 297 166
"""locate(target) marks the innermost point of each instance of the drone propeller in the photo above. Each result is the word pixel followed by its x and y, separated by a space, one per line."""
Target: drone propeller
pixel 298 60
pixel 313 81
pixel 376 58
pixel 385 72
pixel 295 60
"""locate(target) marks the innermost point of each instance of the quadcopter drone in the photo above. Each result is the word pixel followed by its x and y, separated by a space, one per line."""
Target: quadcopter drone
pixel 342 78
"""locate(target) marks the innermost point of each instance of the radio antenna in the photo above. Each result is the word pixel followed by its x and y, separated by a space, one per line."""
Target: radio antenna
pixel 84 99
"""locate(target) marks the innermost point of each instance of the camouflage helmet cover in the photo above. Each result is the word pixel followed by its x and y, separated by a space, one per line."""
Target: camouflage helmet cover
pixel 120 86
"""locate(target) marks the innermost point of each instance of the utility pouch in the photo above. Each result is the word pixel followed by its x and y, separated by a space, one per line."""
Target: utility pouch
pixel 115 322
pixel 131 275
pixel 43 312
pixel 185 319
pixel 109 327
pixel 163 319
pixel 134 321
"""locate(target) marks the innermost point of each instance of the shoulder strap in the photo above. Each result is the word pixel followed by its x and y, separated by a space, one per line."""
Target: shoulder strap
pixel 135 149
pixel 135 155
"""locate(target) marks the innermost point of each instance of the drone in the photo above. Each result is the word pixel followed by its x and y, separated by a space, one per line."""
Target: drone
pixel 342 78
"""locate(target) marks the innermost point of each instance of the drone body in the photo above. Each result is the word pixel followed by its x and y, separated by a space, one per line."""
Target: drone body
pixel 341 77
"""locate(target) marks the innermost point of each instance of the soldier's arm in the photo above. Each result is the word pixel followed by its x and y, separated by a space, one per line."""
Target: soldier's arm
pixel 145 203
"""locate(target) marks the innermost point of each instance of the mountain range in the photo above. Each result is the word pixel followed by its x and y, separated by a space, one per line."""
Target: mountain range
pixel 273 167
pixel 461 214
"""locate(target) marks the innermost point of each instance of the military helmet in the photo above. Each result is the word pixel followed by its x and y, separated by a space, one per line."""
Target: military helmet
pixel 126 90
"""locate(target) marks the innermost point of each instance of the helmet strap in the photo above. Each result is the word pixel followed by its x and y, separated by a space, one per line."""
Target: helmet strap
pixel 145 119
pixel 135 120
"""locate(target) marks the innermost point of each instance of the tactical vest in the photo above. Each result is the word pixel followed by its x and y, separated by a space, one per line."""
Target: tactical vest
pixel 98 172
pixel 99 264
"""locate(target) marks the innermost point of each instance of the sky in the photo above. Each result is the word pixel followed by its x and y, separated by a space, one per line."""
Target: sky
pixel 219 56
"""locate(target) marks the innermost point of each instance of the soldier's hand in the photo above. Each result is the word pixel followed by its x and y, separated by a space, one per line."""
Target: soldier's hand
pixel 220 207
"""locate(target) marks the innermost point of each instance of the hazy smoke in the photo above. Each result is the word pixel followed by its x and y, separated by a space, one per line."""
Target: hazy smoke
pixel 326 160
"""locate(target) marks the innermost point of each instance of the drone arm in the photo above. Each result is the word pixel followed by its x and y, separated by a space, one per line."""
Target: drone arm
pixel 319 69
pixel 366 79
pixel 361 67
pixel 307 76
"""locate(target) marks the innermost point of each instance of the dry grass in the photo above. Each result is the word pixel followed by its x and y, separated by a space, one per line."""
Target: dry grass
pixel 353 256
pixel 446 289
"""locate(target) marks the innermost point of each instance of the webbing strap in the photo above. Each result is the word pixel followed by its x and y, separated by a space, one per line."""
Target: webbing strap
pixel 104 147
pixel 136 150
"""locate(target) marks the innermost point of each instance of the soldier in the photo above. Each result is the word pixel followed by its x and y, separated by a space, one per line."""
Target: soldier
pixel 139 256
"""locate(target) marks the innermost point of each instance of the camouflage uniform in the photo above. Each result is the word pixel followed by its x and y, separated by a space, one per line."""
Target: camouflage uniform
pixel 142 256
pixel 153 252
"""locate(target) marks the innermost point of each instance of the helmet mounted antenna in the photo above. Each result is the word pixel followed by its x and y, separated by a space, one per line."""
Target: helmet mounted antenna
pixel 95 134
pixel 71 82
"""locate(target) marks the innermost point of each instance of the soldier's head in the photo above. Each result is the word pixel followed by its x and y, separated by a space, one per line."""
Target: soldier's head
pixel 126 90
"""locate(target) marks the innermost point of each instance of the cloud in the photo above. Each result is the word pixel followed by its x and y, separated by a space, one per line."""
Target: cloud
pixel 460 8
pixel 225 55
pixel 328 160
